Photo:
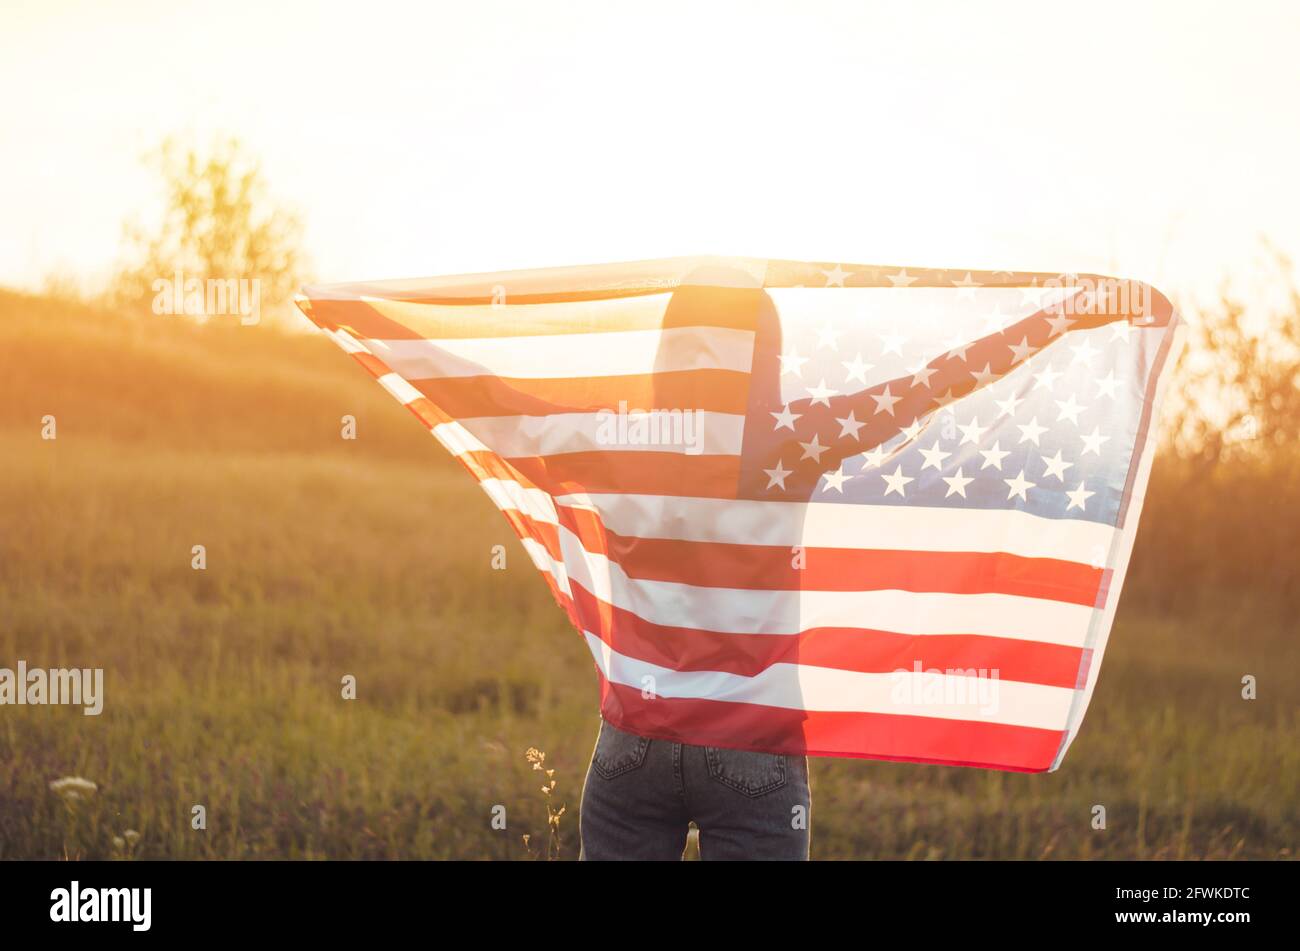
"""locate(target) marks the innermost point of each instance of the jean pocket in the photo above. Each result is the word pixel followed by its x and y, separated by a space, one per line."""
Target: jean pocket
pixel 617 751
pixel 752 774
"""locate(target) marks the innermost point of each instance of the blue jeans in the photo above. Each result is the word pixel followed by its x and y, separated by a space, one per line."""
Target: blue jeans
pixel 641 793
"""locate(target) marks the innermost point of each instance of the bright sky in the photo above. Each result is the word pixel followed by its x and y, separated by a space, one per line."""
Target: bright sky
pixel 1157 140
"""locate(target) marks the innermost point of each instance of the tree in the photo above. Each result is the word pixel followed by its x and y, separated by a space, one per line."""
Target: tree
pixel 1238 379
pixel 219 224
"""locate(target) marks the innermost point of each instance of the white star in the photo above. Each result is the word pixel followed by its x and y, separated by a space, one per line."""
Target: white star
pixel 827 337
pixel 1008 405
pixel 921 375
pixel 885 402
pixel 934 456
pixel 1046 378
pixel 849 426
pixel 1030 431
pixel 791 362
pixel 896 481
pixel 945 398
pixel 893 343
pixel 813 450
pixel 1078 497
pixel 983 377
pixel 835 277
pixel 902 278
pixel 912 430
pixel 874 457
pixel 1020 352
pixel 835 480
pixel 1059 325
pixel 785 418
pixel 1120 329
pixel 993 457
pixel 956 350
pixel 993 321
pixel 1069 410
pixel 1093 442
pixel 1107 384
pixel 1056 466
pixel 821 394
pixel 1019 486
pixel 972 432
pixel 957 483
pixel 1083 353
pixel 857 369
pixel 777 476
pixel 966 287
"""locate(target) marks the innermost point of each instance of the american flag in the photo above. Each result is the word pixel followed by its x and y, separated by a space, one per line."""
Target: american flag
pixel 824 509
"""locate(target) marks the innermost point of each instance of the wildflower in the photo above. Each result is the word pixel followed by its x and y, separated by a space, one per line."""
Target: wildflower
pixel 131 836
pixel 73 788
pixel 538 760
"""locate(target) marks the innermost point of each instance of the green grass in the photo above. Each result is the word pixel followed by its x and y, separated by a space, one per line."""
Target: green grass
pixel 372 558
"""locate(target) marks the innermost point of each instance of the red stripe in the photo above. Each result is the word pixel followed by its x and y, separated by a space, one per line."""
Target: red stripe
pixel 773 567
pixel 885 736
pixel 373 365
pixel 719 391
pixel 632 472
pixel 721 307
pixel 842 648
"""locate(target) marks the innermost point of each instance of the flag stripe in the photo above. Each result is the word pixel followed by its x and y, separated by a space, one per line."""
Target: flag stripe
pixel 815 525
pixel 383 318
pixel 829 525
pixel 375 316
pixel 719 391
pixel 645 473
pixel 804 687
pixel 739 611
pixel 911 739
pixel 615 353
pixel 513 437
pixel 689 648
pixel 722 565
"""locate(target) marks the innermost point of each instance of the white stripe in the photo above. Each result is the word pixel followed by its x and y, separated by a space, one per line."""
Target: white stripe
pixel 805 687
pixel 542 559
pixel 402 391
pixel 511 496
pixel 617 353
pixel 551 317
pixel 832 525
pixel 743 611
pixel 346 341
pixel 513 437
pixel 456 439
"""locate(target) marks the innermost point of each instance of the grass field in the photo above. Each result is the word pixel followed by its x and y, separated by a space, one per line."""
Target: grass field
pixel 372 558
